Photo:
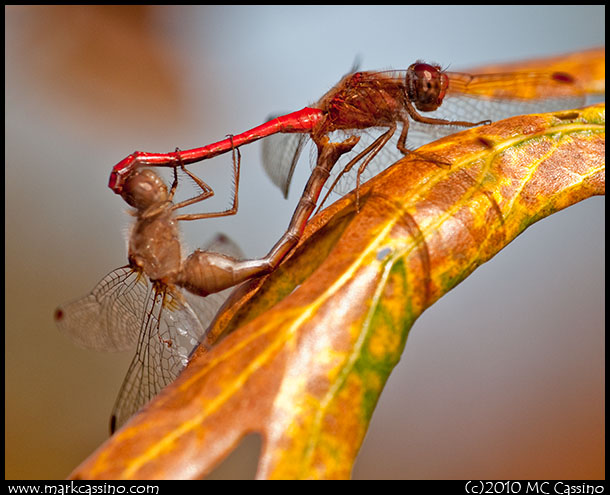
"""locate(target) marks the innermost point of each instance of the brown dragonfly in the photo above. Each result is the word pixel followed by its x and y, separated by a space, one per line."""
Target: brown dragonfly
pixel 155 303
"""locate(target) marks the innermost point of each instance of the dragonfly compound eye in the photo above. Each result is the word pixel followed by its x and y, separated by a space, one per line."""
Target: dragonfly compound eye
pixel 428 86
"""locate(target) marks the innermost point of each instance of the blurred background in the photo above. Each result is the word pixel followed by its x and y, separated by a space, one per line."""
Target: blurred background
pixel 502 378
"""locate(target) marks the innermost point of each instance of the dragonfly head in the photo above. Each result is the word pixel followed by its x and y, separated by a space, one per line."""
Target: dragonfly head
pixel 426 86
pixel 143 188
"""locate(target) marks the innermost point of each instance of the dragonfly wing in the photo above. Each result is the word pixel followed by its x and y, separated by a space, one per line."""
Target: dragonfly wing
pixel 222 244
pixel 526 85
pixel 475 109
pixel 499 96
pixel 206 307
pixel 108 318
pixel 472 109
pixel 169 330
pixel 172 323
pixel 280 155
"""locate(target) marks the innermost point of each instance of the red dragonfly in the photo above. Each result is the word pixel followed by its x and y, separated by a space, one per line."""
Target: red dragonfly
pixel 384 100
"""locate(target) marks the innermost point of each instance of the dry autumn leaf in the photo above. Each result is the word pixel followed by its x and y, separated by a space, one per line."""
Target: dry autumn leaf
pixel 309 348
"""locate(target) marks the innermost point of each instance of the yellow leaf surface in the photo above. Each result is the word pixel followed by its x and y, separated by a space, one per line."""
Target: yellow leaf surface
pixel 309 348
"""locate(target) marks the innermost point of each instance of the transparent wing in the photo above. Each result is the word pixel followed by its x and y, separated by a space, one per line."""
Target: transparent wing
pixel 207 307
pixel 223 244
pixel 172 323
pixel 475 109
pixel 460 107
pixel 108 318
pixel 168 332
pixel 497 96
pixel 280 155
pixel 125 309
pixel 525 85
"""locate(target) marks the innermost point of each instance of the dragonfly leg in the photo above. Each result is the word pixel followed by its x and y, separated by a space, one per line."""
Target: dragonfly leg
pixel 207 192
pixel 206 272
pixel 402 139
pixel 415 115
pixel 328 154
pixel 369 149
pixel 172 190
pixel 386 137
pixel 402 146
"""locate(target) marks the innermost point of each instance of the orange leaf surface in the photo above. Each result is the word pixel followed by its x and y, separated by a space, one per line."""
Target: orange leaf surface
pixel 307 350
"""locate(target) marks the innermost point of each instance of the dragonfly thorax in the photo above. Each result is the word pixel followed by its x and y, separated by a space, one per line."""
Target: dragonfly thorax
pixel 154 247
